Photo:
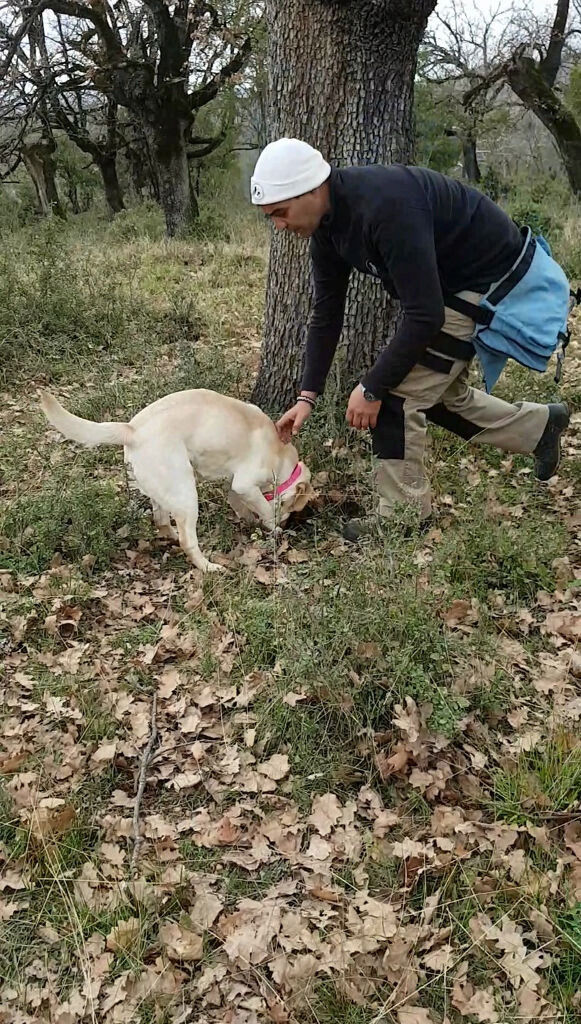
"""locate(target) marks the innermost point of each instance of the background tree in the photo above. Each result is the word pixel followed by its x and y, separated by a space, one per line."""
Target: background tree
pixel 45 61
pixel 351 96
pixel 27 135
pixel 536 69
pixel 163 64
pixel 535 80
pixel 459 50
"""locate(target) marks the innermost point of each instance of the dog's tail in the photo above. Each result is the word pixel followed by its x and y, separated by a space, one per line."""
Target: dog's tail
pixel 84 431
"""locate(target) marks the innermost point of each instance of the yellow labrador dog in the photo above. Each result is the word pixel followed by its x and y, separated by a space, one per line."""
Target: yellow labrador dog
pixel 209 434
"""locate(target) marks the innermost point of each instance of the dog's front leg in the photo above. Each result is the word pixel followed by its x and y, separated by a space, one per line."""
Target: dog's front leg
pixel 253 498
pixel 240 508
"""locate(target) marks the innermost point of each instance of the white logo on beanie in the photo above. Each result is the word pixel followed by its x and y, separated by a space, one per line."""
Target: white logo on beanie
pixel 285 169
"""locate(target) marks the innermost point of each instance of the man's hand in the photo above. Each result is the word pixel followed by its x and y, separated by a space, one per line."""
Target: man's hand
pixel 361 414
pixel 289 425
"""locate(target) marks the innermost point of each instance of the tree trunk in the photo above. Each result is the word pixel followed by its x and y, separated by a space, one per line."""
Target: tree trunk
pixel 39 162
pixel 73 193
pixel 138 156
pixel 167 142
pixel 108 167
pixel 350 94
pixel 526 79
pixel 470 167
pixel 194 193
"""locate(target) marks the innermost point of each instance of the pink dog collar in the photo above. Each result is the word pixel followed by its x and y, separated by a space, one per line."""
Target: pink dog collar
pixel 287 483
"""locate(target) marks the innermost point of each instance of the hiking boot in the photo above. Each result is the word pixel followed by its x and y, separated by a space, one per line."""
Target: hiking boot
pixel 358 529
pixel 548 451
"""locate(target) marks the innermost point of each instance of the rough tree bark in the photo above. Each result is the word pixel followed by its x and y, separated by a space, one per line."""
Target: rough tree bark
pixel 350 94
pixel 113 195
pixel 38 158
pixel 470 166
pixel 139 162
pixel 168 147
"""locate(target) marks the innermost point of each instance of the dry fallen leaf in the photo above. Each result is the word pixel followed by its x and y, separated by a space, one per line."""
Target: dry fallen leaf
pixel 292 698
pixel 206 908
pixel 573 837
pixel 319 848
pixel 181 943
pixel 393 764
pixel 295 555
pixel 106 752
pixel 566 624
pixel 414 1015
pixel 269 577
pixel 9 765
pixel 324 894
pixel 123 935
pixel 473 1002
pixel 369 650
pixel 325 813
pixel 440 959
pixel 460 611
pixel 275 768
pixel 47 822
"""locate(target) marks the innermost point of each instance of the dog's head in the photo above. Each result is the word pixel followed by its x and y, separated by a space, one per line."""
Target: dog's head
pixel 297 495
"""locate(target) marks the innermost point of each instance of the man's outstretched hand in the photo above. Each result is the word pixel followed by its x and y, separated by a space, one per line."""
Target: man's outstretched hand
pixel 361 414
pixel 289 425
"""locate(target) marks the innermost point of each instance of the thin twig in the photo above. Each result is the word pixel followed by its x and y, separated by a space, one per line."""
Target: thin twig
pixel 145 759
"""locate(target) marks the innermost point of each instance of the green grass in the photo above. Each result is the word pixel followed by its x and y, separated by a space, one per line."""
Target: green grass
pixel 326 1005
pixel 544 780
pixel 565 976
pixel 111 320
pixel 71 519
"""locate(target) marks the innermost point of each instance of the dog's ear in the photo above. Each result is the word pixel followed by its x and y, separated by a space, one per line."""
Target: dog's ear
pixel 303 494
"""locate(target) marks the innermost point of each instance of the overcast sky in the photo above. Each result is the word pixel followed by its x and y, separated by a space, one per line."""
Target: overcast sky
pixel 485 7
pixel 477 12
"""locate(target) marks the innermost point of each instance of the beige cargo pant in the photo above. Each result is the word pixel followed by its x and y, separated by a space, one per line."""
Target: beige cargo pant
pixel 437 390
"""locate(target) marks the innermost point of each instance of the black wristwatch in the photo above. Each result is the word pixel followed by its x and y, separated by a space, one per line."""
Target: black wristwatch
pixel 368 395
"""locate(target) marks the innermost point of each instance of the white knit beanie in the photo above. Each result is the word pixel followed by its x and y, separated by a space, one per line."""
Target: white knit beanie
pixel 285 169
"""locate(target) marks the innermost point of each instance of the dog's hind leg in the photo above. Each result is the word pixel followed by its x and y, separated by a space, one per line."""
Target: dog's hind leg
pixel 168 480
pixel 162 522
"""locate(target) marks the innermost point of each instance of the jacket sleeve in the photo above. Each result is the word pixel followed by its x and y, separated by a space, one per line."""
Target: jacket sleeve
pixel 330 280
pixel 406 246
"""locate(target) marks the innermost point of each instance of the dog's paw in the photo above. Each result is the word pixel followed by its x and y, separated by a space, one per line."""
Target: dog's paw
pixel 213 567
pixel 167 533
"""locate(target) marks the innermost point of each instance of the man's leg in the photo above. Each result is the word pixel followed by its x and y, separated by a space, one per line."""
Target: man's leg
pixel 438 389
pixel 476 416
pixel 525 427
pixel 399 439
pixel 399 442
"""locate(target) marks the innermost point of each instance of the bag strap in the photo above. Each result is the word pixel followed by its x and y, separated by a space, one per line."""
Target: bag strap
pixel 479 314
pixel 565 336
pixel 456 348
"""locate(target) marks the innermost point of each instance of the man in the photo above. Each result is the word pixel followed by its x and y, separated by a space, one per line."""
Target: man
pixel 434 244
